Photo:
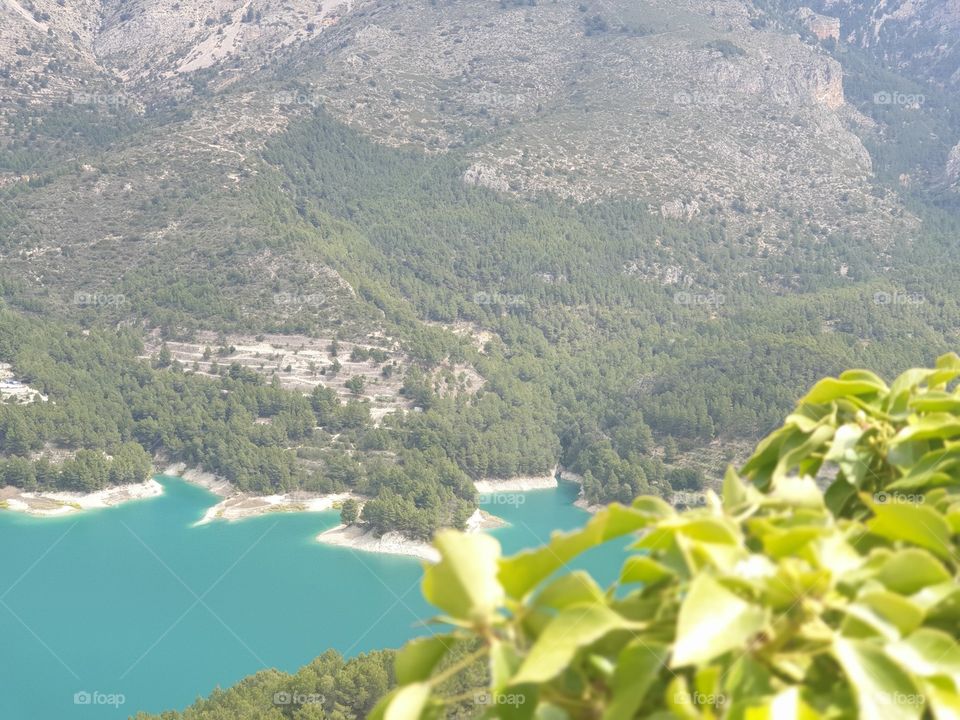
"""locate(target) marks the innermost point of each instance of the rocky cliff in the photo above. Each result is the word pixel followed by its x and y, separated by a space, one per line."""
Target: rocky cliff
pixel 953 165
pixel 918 37
pixel 707 106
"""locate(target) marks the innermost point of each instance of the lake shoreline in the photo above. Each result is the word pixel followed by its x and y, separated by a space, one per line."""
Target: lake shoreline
pixel 235 505
pixel 61 503
pixel 492 486
pixel 356 537
pixel 238 505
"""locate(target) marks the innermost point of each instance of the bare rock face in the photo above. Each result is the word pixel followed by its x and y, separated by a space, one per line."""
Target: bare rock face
pixel 918 37
pixel 696 106
pixel 953 165
pixel 823 26
pixel 485 176
pixel 680 210
pixel 700 106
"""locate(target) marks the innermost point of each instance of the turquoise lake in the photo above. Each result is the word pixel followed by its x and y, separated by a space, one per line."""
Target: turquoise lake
pixel 134 601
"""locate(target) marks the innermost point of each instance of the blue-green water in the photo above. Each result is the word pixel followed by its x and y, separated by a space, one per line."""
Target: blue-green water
pixel 135 602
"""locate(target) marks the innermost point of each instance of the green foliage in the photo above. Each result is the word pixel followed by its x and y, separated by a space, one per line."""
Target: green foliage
pixel 355 384
pixel 349 511
pixel 775 600
pixel 329 687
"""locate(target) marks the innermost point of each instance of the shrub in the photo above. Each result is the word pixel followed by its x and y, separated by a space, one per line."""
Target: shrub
pixel 775 600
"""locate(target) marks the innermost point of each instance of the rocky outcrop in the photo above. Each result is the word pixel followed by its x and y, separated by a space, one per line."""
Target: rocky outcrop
pixel 915 37
pixel 823 26
pixel 953 165
pixel 485 176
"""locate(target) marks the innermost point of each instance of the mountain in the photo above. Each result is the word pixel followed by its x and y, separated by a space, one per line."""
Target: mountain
pixel 915 37
pixel 512 217
pixel 697 109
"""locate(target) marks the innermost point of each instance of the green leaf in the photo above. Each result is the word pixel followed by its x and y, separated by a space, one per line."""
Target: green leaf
pixel 571 589
pixel 879 684
pixel 928 653
pixel 707 529
pixel 504 663
pixel 936 401
pixel 679 700
pixel 889 614
pixel 568 632
pixel 840 495
pixel 464 583
pixel 802 451
pixel 789 542
pixel 524 571
pixel 830 389
pixel 910 570
pixel 943 698
pixel 849 458
pixel 713 621
pixel 642 569
pixel 418 658
pixel 638 666
pixel 737 493
pixel 408 703
pixel 935 426
pixel 932 469
pixel 402 703
pixel 914 524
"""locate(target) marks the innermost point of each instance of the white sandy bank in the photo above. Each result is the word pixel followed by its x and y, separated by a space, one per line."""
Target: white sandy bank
pixel 241 505
pixel 57 504
pixel 237 505
pixel 356 537
pixel 489 486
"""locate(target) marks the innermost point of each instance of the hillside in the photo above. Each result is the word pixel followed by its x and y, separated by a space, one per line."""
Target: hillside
pixel 533 213
pixel 700 109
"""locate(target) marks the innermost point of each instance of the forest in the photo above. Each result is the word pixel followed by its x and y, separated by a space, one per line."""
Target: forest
pixel 595 363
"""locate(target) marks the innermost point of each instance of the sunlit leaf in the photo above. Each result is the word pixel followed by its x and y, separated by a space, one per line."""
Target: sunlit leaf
pixel 713 621
pixel 570 631
pixel 879 684
pixel 915 524
pixel 464 583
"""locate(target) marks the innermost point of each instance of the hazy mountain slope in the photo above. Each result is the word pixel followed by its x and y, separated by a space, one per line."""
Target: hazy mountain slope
pixel 700 108
pixel 620 99
pixel 917 37
pixel 46 50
